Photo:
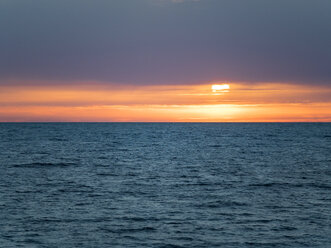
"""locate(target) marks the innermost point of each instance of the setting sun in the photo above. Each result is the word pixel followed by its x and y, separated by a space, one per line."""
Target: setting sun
pixel 220 87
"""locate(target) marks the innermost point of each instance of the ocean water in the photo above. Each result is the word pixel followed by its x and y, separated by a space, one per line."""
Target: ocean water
pixel 165 185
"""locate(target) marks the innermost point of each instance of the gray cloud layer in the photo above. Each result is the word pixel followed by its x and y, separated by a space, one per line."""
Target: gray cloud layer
pixel 162 42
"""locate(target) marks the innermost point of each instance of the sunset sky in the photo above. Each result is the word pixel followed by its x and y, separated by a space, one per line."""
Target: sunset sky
pixel 157 60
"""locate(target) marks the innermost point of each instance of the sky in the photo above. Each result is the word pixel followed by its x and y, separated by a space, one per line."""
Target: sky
pixel 156 60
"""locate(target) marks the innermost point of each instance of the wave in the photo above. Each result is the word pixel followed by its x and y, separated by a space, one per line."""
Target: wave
pixel 39 164
pixel 129 230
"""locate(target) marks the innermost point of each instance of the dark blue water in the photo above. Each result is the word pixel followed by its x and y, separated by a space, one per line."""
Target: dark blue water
pixel 165 185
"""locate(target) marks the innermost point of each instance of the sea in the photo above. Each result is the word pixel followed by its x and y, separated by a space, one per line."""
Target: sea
pixel 165 185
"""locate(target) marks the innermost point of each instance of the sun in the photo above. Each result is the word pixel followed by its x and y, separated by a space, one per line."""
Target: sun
pixel 220 87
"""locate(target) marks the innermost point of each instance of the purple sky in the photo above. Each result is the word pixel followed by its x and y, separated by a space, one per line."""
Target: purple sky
pixel 166 42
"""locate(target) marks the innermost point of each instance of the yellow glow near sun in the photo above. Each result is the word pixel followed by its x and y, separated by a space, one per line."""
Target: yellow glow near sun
pixel 220 87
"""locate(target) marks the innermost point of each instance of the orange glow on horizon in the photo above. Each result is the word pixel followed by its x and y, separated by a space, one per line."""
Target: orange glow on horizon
pixel 181 103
